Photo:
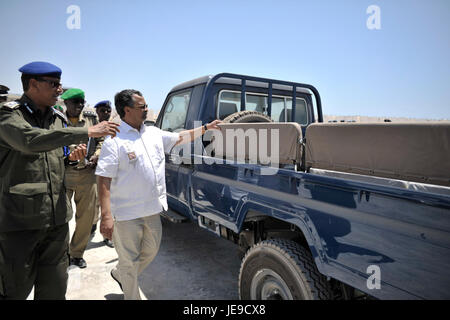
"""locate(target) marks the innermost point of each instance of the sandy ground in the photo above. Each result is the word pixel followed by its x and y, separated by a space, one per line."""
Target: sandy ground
pixel 192 264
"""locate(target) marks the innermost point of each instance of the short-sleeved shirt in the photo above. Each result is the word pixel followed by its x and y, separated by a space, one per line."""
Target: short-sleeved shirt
pixel 135 160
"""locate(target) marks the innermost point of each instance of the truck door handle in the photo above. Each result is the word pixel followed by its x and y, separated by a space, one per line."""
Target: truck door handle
pixel 174 159
pixel 179 160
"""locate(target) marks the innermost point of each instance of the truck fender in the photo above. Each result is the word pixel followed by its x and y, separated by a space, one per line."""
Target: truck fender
pixel 299 220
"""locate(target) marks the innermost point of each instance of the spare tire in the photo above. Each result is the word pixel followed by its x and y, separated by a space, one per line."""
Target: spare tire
pixel 246 116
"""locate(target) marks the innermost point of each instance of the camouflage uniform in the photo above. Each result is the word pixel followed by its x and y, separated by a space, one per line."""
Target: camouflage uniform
pixel 81 183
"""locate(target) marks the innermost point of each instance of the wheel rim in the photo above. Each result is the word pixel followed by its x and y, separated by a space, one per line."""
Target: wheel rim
pixel 268 285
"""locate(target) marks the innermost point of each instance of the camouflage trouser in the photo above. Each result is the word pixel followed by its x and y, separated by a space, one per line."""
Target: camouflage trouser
pixel 36 258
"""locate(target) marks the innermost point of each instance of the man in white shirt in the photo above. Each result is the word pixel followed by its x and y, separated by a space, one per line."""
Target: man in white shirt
pixel 132 187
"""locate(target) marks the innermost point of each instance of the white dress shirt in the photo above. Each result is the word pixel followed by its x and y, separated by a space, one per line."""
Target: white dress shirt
pixel 135 161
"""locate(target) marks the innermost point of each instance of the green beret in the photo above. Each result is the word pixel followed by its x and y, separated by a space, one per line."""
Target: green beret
pixel 72 94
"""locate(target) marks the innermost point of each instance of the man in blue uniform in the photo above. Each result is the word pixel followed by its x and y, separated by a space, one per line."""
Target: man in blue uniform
pixel 34 211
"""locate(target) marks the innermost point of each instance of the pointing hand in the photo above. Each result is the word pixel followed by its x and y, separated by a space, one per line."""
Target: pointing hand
pixel 104 128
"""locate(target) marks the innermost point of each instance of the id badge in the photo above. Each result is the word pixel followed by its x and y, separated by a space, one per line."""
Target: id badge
pixel 130 153
pixel 132 156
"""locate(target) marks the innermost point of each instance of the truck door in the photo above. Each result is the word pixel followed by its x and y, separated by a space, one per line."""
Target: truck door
pixel 178 174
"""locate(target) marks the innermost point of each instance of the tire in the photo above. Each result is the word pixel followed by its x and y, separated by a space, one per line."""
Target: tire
pixel 279 269
pixel 246 116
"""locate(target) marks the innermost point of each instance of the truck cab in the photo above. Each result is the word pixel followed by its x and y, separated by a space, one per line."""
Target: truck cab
pixel 216 97
pixel 207 98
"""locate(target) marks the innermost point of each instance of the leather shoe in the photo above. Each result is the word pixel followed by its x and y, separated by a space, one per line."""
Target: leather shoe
pixel 108 243
pixel 79 262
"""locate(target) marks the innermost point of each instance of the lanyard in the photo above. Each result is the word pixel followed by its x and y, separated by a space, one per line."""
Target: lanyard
pixel 66 149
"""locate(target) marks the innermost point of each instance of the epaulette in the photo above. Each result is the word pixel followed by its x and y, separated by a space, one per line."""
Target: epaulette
pixel 11 105
pixel 60 114
pixel 89 114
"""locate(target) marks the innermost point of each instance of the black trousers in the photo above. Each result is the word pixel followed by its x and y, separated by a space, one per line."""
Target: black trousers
pixel 36 258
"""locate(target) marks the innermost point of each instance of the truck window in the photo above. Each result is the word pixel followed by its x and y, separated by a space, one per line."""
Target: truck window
pixel 230 102
pixel 175 112
pixel 301 116
pixel 255 102
pixel 278 109
pixel 282 110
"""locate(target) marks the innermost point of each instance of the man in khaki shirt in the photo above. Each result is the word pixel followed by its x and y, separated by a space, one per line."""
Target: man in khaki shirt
pixel 80 178
pixel 103 110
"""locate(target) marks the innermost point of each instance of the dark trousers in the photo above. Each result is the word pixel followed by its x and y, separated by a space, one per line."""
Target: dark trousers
pixel 36 258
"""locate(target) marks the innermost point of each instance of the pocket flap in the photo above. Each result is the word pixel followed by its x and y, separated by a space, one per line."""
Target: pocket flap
pixel 29 189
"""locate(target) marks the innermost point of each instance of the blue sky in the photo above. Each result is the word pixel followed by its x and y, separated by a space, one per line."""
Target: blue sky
pixel 400 70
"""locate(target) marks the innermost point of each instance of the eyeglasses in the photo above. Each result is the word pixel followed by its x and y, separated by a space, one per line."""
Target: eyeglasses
pixel 145 106
pixel 54 84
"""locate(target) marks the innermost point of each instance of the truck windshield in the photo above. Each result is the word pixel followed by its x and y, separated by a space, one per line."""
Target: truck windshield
pixel 230 102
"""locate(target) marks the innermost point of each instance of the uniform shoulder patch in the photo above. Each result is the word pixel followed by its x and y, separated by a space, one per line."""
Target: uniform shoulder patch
pixel 11 105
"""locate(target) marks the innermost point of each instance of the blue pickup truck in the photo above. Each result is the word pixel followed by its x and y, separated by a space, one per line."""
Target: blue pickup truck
pixel 345 211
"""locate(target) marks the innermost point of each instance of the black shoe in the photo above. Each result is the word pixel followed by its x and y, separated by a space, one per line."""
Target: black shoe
pixel 120 285
pixel 94 227
pixel 108 243
pixel 79 262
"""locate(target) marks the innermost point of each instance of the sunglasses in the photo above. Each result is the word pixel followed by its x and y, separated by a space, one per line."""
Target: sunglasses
pixel 54 84
pixel 141 107
pixel 104 110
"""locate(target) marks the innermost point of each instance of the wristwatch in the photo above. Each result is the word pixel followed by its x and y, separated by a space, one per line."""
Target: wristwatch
pixel 206 128
pixel 68 162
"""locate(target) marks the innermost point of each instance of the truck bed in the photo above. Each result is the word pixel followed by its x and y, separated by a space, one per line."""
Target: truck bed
pixel 349 225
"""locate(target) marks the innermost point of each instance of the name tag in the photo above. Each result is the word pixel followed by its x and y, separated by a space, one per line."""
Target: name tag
pixel 130 152
pixel 132 156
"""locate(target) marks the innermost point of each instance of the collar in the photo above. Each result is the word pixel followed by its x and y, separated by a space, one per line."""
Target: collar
pixel 127 128
pixel 28 103
pixel 81 117
pixel 31 107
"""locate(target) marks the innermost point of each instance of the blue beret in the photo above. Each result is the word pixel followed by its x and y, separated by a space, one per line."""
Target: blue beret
pixel 102 103
pixel 40 68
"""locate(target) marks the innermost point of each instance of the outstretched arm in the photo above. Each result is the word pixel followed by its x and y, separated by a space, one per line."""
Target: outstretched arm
pixel 18 134
pixel 187 136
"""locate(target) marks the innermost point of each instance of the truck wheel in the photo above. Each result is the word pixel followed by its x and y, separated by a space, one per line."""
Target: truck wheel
pixel 279 269
pixel 246 116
